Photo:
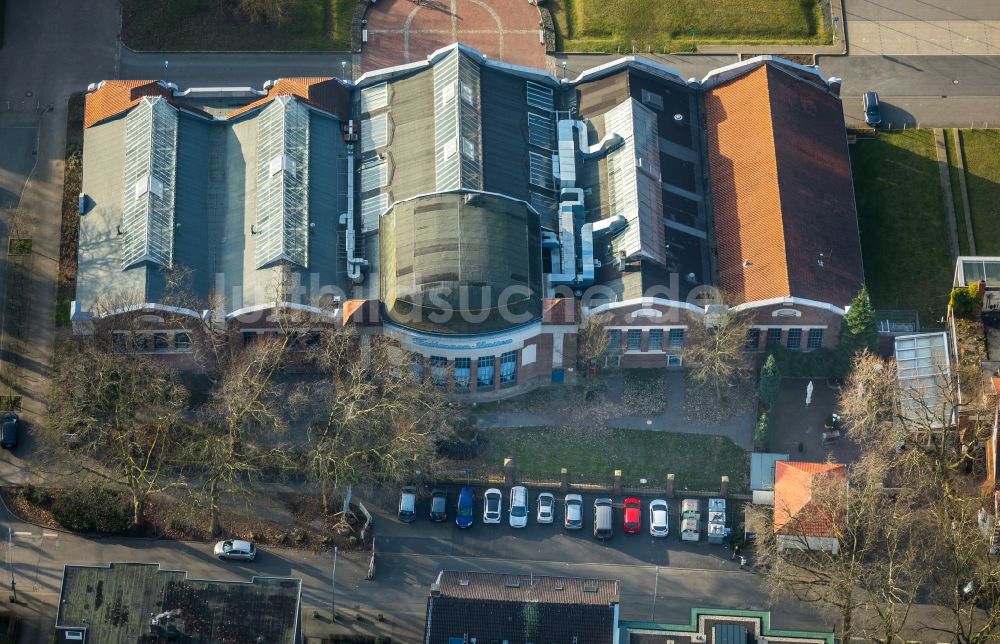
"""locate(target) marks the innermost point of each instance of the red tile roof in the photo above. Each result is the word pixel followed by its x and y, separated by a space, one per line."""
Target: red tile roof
pixel 782 192
pixel 327 94
pixel 797 510
pixel 115 97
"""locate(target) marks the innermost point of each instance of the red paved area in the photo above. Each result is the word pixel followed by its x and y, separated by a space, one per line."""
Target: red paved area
pixel 406 31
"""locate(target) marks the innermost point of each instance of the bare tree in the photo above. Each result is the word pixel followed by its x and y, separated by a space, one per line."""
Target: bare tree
pixel 910 530
pixel 372 422
pixel 123 413
pixel 592 337
pixel 715 350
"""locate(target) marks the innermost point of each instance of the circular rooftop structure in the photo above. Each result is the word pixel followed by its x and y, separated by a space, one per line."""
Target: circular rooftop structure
pixel 461 263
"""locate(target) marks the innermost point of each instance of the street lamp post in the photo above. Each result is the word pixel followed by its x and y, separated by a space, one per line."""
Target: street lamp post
pixel 656 586
pixel 10 560
pixel 333 588
pixel 836 21
pixel 343 70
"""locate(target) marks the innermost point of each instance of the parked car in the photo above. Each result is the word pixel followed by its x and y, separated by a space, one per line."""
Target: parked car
pixel 632 519
pixel 8 430
pixel 873 115
pixel 407 504
pixel 236 549
pixel 573 512
pixel 546 508
pixel 464 514
pixel 517 513
pixel 439 506
pixel 604 527
pixel 659 518
pixel 492 503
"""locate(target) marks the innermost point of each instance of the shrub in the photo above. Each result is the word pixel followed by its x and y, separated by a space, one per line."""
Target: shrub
pixel 965 301
pixel 299 537
pixel 93 509
pixel 821 363
pixel 38 496
pixel 760 435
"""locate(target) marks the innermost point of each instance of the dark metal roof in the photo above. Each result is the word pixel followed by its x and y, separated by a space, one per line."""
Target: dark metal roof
pixel 116 604
pixel 463 252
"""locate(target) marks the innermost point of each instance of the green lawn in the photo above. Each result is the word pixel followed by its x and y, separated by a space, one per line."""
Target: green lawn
pixel 697 461
pixel 904 234
pixel 956 193
pixel 982 176
pixel 665 25
pixel 202 25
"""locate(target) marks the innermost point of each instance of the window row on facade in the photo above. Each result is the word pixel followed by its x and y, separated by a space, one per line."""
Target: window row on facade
pixel 655 341
pixel 468 374
pixel 152 341
pixel 795 339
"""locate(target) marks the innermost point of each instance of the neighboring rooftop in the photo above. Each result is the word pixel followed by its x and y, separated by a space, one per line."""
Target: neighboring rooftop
pixel 806 498
pixel 520 608
pixel 720 626
pixel 125 603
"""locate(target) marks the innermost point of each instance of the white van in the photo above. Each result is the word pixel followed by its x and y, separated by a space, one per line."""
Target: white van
pixel 517 515
pixel 603 519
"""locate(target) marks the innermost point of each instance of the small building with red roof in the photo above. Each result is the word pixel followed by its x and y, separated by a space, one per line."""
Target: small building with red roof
pixel 809 505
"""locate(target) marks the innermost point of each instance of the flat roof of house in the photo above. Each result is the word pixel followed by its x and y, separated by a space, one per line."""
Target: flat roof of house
pixel 923 369
pixel 119 603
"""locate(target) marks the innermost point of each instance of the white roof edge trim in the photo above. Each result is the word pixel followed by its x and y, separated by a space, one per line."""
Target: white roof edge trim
pixel 630 61
pixel 460 191
pixel 646 301
pixel 527 327
pixel 816 304
pixel 308 308
pixel 147 306
pixel 722 74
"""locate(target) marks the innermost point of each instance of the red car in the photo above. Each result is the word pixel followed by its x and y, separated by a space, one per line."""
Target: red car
pixel 633 515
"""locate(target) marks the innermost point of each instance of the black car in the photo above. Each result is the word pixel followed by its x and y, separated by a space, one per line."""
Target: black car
pixel 873 115
pixel 8 430
pixel 439 506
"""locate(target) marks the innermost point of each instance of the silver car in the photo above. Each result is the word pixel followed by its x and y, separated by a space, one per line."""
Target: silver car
pixel 546 508
pixel 573 517
pixel 235 549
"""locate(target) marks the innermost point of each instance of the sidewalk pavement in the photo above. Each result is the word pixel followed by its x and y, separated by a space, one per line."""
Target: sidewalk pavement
pixel 945 176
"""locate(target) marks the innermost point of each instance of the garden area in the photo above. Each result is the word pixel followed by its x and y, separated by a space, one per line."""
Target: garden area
pixel 682 25
pixel 592 455
pixel 904 234
pixel 70 228
pixel 981 149
pixel 210 25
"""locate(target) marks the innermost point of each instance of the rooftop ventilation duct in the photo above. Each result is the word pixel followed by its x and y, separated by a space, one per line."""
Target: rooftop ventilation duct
pixel 355 264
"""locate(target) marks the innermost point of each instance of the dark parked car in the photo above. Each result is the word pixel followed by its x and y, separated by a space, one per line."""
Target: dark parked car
pixel 8 430
pixel 873 115
pixel 439 506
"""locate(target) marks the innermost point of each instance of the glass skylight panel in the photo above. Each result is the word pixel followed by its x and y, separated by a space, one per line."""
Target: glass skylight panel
pixel 150 165
pixel 282 228
pixel 540 96
pixel 374 98
pixel 455 122
pixel 543 203
pixel 540 170
pixel 374 132
pixel 374 175
pixel 371 209
pixel 540 130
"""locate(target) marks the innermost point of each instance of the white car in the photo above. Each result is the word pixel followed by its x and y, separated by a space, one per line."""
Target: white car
pixel 546 508
pixel 492 502
pixel 659 518
pixel 573 518
pixel 517 514
pixel 235 549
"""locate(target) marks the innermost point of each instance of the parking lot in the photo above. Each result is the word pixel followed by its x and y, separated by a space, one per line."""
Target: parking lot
pixel 546 542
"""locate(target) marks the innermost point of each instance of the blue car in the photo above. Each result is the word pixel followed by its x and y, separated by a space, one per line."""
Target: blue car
pixel 463 513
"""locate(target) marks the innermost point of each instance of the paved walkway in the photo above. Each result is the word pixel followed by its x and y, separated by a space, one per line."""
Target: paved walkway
pixel 924 38
pixel 739 429
pixel 966 211
pixel 945 176
pixel 405 31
